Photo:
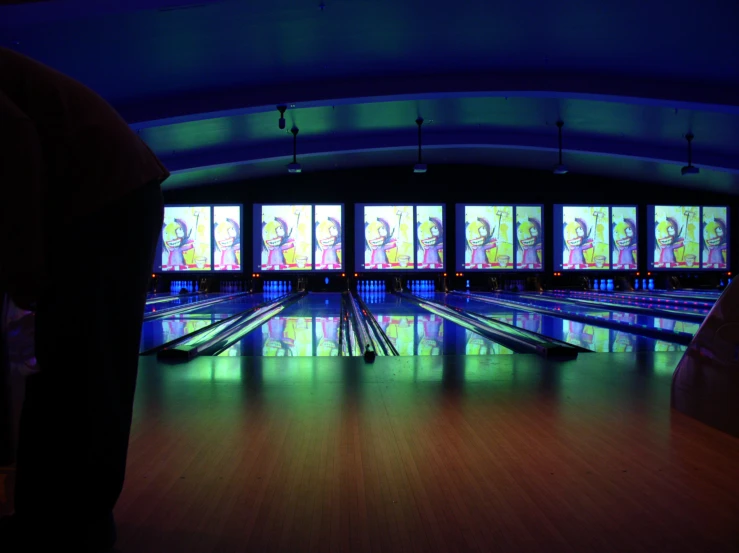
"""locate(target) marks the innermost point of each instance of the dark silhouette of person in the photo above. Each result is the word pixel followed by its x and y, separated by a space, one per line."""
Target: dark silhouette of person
pixel 80 192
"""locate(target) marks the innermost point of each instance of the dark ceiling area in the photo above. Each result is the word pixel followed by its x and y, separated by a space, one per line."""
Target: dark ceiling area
pixel 200 82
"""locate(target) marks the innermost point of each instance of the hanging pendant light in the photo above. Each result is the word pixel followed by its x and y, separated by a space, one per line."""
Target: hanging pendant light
pixel 419 167
pixel 294 167
pixel 689 169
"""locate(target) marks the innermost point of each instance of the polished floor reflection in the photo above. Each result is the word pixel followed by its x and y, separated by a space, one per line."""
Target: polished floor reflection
pixel 433 454
pixel 601 323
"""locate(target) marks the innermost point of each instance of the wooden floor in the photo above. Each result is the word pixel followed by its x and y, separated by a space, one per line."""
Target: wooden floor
pixel 507 453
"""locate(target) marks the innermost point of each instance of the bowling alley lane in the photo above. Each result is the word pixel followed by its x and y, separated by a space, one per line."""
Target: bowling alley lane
pixel 629 331
pixel 310 328
pixel 584 333
pixel 162 330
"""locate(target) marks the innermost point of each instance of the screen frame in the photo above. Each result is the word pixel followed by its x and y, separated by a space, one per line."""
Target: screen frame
pixel 359 238
pixel 460 236
pixel 157 269
pixel 257 240
pixel 557 240
pixel 699 268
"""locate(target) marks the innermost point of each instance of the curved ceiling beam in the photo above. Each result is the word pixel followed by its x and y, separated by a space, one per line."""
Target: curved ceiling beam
pixel 240 101
pixel 308 147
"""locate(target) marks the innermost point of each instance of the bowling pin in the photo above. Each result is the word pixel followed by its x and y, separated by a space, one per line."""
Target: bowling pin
pixel 651 284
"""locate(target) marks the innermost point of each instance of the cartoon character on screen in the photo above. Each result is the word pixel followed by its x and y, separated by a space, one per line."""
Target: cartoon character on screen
pixel 624 238
pixel 328 242
pixel 378 239
pixel 668 240
pixel 480 240
pixel 714 236
pixel 176 240
pixel 529 242
pixel 227 234
pixel 280 338
pixel 431 239
pixel 276 241
pixel 328 344
pixel 431 336
pixel 577 241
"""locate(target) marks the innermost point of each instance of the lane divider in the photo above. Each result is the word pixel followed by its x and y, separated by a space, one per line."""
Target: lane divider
pixel 517 339
pixel 214 339
pixel 682 338
pixel 211 327
pixel 191 306
pixel 637 310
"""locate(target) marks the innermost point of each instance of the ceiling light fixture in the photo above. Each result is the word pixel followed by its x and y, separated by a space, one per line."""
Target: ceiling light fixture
pixel 419 167
pixel 689 169
pixel 281 121
pixel 560 168
pixel 294 167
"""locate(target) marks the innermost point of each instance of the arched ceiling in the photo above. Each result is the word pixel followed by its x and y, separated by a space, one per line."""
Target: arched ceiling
pixel 200 82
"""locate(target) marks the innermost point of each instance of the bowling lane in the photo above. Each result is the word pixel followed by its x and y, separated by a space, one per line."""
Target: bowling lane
pixel 415 331
pixel 177 301
pixel 160 331
pixel 308 328
pixel 683 295
pixel 588 336
pixel 630 321
pixel 615 298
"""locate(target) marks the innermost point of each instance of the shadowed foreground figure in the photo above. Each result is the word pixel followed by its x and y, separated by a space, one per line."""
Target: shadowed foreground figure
pixel 80 192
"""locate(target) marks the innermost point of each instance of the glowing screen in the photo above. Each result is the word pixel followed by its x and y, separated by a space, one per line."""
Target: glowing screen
pixel 227 238
pixel 328 237
pixel 298 237
pixel 499 237
pixel 199 238
pixel 595 238
pixel 715 238
pixel 399 237
pixel 688 237
pixel 624 238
